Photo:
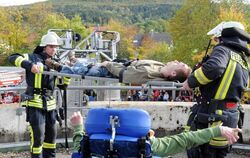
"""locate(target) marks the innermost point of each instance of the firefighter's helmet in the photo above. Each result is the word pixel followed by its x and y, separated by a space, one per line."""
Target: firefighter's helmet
pixel 51 38
pixel 217 30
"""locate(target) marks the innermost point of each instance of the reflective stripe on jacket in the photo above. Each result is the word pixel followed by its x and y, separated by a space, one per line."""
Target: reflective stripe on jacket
pixel 37 81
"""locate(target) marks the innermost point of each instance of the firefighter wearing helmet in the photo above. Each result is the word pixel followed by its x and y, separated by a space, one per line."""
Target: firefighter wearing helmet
pixel 221 80
pixel 38 98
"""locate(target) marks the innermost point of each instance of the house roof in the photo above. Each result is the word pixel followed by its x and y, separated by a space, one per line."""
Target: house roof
pixel 157 37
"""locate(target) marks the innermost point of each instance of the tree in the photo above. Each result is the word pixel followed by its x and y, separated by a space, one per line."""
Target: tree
pixel 189 26
pixel 228 11
pixel 195 18
pixel 126 47
pixel 153 50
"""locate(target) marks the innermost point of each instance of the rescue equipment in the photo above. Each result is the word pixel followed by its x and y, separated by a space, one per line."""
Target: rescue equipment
pixel 116 133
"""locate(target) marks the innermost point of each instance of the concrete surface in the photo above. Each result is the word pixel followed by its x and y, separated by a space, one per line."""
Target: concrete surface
pixel 166 117
pixel 63 154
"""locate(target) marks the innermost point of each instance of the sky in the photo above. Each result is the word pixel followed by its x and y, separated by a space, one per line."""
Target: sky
pixel 17 2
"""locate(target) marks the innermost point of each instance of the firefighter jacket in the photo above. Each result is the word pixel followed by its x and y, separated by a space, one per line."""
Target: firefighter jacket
pixel 222 80
pixel 224 76
pixel 40 88
pixel 138 72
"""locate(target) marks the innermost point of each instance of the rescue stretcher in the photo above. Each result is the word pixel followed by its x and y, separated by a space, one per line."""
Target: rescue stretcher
pixel 116 80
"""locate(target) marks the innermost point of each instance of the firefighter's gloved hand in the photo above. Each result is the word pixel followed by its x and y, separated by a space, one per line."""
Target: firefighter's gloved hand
pixel 76 119
pixel 231 134
pixel 52 64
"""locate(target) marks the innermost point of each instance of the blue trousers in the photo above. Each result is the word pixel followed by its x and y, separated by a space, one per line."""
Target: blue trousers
pixel 82 68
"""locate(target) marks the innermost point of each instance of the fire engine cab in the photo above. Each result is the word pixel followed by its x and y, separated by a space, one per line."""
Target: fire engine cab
pixel 10 79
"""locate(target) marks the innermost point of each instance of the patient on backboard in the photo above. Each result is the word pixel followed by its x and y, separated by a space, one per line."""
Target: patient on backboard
pixel 134 71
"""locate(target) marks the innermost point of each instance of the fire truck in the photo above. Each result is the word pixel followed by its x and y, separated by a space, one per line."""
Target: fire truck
pixel 10 79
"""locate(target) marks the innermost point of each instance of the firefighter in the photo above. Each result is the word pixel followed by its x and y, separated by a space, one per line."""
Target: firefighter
pixel 221 80
pixel 38 97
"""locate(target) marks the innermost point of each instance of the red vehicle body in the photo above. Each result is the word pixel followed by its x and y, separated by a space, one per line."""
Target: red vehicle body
pixel 10 79
pixel 9 97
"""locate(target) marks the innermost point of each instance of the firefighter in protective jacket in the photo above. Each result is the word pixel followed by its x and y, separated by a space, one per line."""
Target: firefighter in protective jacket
pixel 38 97
pixel 221 80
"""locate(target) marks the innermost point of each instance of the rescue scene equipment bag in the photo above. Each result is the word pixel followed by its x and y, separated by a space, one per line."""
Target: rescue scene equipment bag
pixel 116 133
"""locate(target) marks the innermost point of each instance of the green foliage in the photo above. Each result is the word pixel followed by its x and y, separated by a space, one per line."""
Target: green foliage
pixel 159 52
pixel 146 13
pixel 192 22
pixel 22 27
pixel 153 25
pixel 189 27
pixel 126 48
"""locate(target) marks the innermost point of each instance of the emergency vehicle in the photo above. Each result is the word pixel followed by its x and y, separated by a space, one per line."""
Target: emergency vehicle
pixel 10 79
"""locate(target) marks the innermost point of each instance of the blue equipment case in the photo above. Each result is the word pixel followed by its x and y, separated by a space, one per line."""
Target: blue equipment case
pixel 116 133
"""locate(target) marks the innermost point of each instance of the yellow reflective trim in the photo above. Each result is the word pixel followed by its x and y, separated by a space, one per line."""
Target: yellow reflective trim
pixel 51 107
pixel 31 137
pixel 37 150
pixel 36 81
pixel 218 123
pixel 50 103
pixel 41 69
pixel 200 76
pixel 218 142
pixel 226 81
pixel 66 80
pixel 49 145
pixel 36 106
pixel 219 112
pixel 35 101
pixel 38 78
pixel 19 61
pixel 67 83
pixel 219 138
pixel 236 57
pixel 38 97
pixel 56 81
pixel 26 56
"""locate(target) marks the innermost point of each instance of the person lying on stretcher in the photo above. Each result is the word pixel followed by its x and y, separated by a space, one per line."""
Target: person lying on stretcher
pixel 137 71
pixel 168 145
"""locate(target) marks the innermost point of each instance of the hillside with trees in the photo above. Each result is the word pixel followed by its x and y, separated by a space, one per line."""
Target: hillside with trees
pixel 147 14
pixel 187 21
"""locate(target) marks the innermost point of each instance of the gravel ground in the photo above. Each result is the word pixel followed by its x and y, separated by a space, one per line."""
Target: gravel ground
pixel 63 154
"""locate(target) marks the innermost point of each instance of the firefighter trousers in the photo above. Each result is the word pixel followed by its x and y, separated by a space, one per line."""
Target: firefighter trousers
pixel 42 132
pixel 207 150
